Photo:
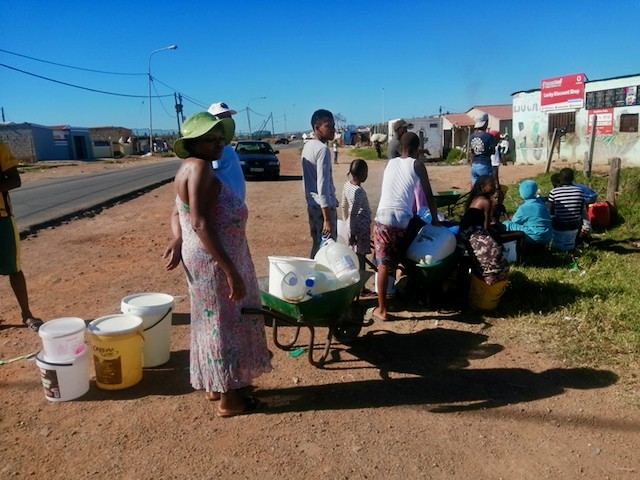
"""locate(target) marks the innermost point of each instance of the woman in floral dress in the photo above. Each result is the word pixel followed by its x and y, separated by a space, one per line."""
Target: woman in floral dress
pixel 228 349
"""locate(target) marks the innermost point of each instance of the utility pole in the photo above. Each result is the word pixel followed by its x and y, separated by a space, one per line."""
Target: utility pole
pixel 2 114
pixel 178 101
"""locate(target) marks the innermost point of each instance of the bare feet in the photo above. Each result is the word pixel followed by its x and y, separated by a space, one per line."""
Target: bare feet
pixel 247 405
pixel 212 396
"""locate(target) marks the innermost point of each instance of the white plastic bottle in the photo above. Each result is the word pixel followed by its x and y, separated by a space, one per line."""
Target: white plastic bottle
pixel 343 262
pixel 319 282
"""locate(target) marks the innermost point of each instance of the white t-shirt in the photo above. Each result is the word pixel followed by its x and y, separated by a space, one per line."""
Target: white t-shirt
pixel 399 182
pixel 316 175
pixel 495 158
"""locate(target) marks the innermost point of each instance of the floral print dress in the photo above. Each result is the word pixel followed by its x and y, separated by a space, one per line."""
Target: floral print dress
pixel 228 349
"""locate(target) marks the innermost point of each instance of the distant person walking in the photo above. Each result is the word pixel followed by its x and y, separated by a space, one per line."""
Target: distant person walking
pixel 317 178
pixel 228 166
pixel 10 238
pixel 378 147
pixel 482 146
pixel 400 127
pixel 335 153
pixel 503 147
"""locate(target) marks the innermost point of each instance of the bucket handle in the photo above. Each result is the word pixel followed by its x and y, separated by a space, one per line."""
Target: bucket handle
pixel 275 264
pixel 55 364
pixel 163 317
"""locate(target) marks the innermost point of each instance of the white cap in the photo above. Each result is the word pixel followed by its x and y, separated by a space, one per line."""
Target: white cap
pixel 220 108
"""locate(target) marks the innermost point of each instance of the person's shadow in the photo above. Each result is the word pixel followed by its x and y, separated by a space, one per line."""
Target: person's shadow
pixel 426 369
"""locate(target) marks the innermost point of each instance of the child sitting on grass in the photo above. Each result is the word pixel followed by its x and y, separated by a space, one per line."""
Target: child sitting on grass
pixel 532 217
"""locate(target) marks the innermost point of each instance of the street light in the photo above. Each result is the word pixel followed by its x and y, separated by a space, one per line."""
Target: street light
pixel 170 47
pixel 249 117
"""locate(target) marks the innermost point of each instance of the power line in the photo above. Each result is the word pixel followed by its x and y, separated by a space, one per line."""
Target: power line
pixel 67 66
pixel 79 86
pixel 192 100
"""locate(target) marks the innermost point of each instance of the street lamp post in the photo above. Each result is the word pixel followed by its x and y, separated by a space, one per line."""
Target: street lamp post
pixel 170 47
pixel 249 116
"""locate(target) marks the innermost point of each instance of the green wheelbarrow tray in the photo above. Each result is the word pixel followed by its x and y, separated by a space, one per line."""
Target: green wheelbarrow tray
pixel 318 311
pixel 444 199
pixel 339 310
pixel 438 271
pixel 426 281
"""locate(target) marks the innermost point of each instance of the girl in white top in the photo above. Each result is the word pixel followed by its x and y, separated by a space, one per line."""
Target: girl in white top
pixel 356 211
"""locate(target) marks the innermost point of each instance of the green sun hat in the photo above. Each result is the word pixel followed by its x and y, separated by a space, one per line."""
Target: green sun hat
pixel 200 124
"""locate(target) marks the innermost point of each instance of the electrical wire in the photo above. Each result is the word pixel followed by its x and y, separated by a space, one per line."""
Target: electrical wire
pixel 192 100
pixel 159 98
pixel 67 66
pixel 76 86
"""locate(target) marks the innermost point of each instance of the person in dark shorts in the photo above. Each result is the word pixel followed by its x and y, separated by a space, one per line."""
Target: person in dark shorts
pixel 10 237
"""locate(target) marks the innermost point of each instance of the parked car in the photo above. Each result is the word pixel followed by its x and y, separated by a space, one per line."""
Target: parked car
pixel 258 159
pixel 282 140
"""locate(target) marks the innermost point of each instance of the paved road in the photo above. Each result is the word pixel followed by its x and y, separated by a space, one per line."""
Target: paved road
pixel 37 205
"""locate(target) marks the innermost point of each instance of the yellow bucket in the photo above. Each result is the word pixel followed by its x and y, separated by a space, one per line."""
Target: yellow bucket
pixel 116 343
pixel 483 296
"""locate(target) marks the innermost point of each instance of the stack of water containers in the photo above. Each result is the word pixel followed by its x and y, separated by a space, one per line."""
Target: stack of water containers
pixel 120 346
pixel 296 279
pixel 64 359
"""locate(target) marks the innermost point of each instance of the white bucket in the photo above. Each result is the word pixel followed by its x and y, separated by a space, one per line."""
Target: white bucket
pixel 64 380
pixel 279 267
pixel 63 338
pixel 155 310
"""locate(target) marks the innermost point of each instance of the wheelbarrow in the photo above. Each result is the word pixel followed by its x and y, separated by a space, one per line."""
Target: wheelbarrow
pixel 338 310
pixel 449 199
pixel 425 280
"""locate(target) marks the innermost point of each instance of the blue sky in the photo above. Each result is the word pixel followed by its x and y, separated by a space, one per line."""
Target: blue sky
pixel 367 60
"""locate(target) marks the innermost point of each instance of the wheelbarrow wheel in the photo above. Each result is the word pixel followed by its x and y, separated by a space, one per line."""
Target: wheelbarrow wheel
pixel 348 325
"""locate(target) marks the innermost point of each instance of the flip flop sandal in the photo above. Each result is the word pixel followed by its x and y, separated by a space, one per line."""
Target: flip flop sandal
pixel 33 324
pixel 251 404
pixel 212 396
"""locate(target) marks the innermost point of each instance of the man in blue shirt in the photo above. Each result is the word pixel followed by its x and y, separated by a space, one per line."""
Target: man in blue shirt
pixel 481 145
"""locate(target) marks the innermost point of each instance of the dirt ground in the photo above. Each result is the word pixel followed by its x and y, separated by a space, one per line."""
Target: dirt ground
pixel 434 395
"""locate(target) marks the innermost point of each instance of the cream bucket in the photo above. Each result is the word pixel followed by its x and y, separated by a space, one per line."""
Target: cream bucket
pixel 155 310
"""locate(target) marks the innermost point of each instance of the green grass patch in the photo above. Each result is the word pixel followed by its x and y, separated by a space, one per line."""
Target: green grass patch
pixel 584 306
pixel 363 153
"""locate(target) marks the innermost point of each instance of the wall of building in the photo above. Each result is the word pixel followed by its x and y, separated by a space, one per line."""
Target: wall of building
pixel 20 141
pixel 530 126
pixel 532 136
